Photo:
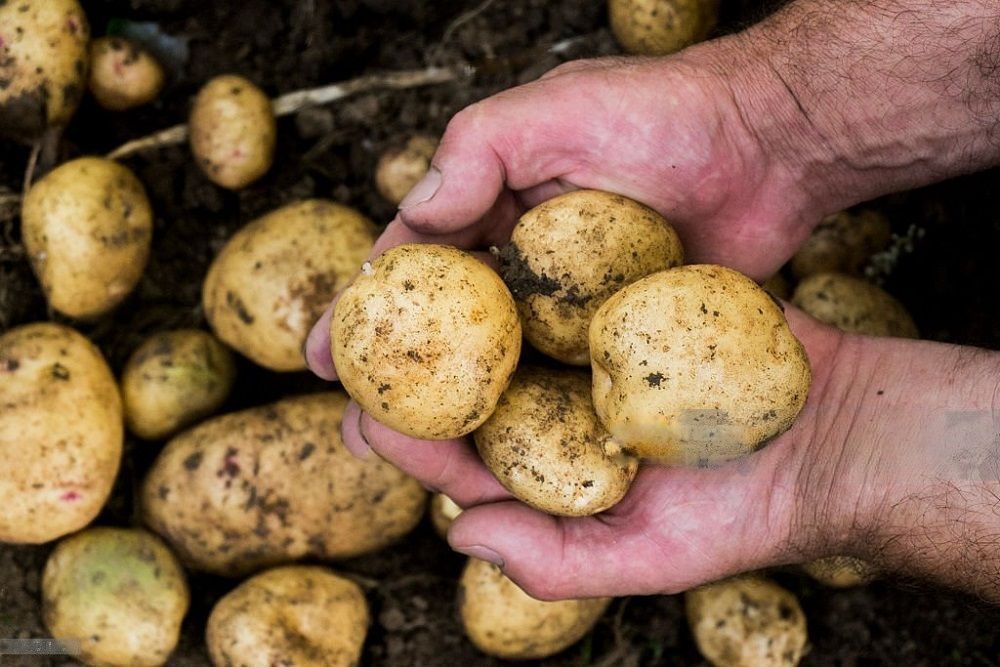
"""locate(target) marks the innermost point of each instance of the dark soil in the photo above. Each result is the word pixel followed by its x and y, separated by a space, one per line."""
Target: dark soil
pixel 949 282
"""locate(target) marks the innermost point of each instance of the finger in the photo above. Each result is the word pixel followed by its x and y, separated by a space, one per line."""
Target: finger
pixel 534 196
pixel 317 347
pixel 350 432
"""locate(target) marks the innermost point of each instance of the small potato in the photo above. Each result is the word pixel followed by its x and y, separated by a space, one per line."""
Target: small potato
pixel 400 168
pixel 425 340
pixel 274 484
pixel 695 365
pixel 233 131
pixel 546 446
pixel 295 615
pixel 841 571
pixel 276 276
pixel 853 305
pixel 842 243
pixel 746 621
pixel 123 75
pixel 43 65
pixel 60 432
pixel 443 511
pixel 569 254
pixel 118 594
pixel 174 379
pixel 661 27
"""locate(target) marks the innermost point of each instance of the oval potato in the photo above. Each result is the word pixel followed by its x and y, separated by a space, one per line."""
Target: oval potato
pixel 661 27
pixel 123 75
pixel 841 571
pixel 853 305
pixel 402 167
pixel 842 243
pixel 443 511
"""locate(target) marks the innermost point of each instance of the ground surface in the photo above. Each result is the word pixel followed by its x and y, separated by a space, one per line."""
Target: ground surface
pixel 949 282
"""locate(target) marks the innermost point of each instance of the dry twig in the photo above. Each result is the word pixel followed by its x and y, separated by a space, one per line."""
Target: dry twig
pixel 464 18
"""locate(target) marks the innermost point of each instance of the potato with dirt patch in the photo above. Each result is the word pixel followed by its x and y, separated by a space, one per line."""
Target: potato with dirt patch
pixel 842 243
pixel 661 27
pixel 275 484
pixel 60 432
pixel 443 511
pixel 841 571
pixel 854 305
pixel 123 75
pixel 401 167
pixel 118 594
pixel 276 276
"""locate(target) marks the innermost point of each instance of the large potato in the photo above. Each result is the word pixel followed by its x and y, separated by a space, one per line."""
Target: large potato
pixel 60 432
pixel 43 64
pixel 274 484
pixel 546 446
pixel 123 75
pixel 853 305
pixel 426 339
pixel 400 168
pixel 87 227
pixel 843 242
pixel 661 27
pixel 569 254
pixel 294 615
pixel 118 594
pixel 276 276
pixel 695 365
pixel 841 571
pixel 504 621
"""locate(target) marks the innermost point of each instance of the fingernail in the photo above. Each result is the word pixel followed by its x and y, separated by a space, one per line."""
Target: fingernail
pixel 482 553
pixel 424 190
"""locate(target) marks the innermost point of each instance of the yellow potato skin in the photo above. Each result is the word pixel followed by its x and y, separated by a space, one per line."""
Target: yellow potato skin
pixel 400 168
pixel 119 592
pixel 275 484
pixel 569 254
pixel 443 511
pixel 661 27
pixel 61 422
pixel 233 131
pixel 545 445
pixel 275 277
pixel 123 75
pixel 87 227
pixel 425 340
pixel 854 305
pixel 695 365
pixel 841 571
pixel 842 243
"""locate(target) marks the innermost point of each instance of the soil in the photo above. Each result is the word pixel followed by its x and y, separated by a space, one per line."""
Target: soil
pixel 948 281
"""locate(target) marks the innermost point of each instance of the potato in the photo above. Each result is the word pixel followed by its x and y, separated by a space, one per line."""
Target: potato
pixel 87 227
pixel 695 365
pixel 61 422
pixel 443 511
pixel 841 571
pixel 842 243
pixel 425 340
pixel 569 254
pixel 43 64
pixel 233 131
pixel 123 75
pixel 402 167
pixel 661 27
pixel 546 446
pixel 746 621
pixel 273 484
pixel 853 305
pixel 174 379
pixel 118 594
pixel 294 615
pixel 276 276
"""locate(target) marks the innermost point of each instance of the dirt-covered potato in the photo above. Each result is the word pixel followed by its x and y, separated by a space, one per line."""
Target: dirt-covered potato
pixel 546 446
pixel 233 131
pixel 853 305
pixel 695 365
pixel 841 571
pixel 843 243
pixel 118 594
pixel 43 64
pixel 661 27
pixel 746 621
pixel 123 75
pixel 173 379
pixel 87 227
pixel 426 339
pixel 276 276
pixel 294 615
pixel 274 484
pixel 60 432
pixel 569 254
pixel 443 510
pixel 400 168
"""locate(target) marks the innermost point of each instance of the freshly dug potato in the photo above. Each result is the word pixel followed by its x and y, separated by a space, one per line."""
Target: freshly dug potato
pixel 61 422
pixel 123 75
pixel 443 511
pixel 174 379
pixel 233 131
pixel 273 484
pixel 43 64
pixel 425 340
pixel 842 243
pixel 118 593
pixel 661 27
pixel 546 446
pixel 87 227
pixel 746 621
pixel 841 571
pixel 276 276
pixel 853 305
pixel 504 621
pixel 569 254
pixel 695 365
pixel 294 615
pixel 400 168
